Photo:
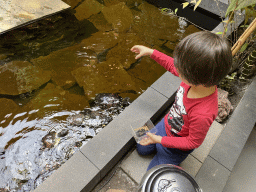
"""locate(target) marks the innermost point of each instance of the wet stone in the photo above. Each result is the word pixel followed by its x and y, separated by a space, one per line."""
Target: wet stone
pixel 2 56
pixel 108 3
pixel 21 77
pixel 100 22
pixel 53 99
pixel 188 30
pixel 88 8
pixel 129 3
pixel 9 107
pixel 101 41
pixel 62 62
pixel 122 51
pixel 104 108
pixel 119 15
pixel 63 133
pixel 108 76
pixel 146 24
pixel 49 140
pixel 145 71
pixel 76 120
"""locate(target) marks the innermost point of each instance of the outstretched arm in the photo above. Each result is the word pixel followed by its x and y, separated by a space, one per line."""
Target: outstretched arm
pixel 166 61
pixel 142 51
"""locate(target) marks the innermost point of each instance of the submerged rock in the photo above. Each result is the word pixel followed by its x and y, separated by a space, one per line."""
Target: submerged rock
pixel 21 77
pixel 63 61
pixel 101 41
pixel 104 108
pixel 129 3
pixel 8 108
pixel 122 52
pixel 146 24
pixel 53 99
pixel 224 105
pixel 100 22
pixel 63 133
pixel 49 140
pixel 105 77
pixel 119 15
pixel 88 8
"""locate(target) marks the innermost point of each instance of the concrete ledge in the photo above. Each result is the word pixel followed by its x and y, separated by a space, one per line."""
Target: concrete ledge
pixel 212 176
pixel 72 176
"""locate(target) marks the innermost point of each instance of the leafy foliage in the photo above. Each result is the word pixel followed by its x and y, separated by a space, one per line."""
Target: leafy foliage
pixel 239 4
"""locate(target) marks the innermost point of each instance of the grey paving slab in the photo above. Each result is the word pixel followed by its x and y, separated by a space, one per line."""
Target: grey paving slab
pixel 233 138
pixel 212 176
pixel 77 174
pixel 203 151
pixel 191 165
pixel 15 13
pixel 243 175
pixel 167 84
pixel 115 140
pixel 136 165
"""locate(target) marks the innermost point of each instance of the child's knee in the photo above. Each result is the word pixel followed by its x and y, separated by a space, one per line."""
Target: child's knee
pixel 145 150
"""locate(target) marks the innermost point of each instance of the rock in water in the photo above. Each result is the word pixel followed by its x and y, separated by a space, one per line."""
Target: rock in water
pixel 119 15
pixel 21 77
pixel 88 8
pixel 49 140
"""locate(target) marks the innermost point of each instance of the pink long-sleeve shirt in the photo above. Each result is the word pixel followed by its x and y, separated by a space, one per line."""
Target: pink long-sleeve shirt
pixel 188 120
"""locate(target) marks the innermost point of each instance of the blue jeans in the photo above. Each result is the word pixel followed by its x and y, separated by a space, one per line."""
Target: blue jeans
pixel 163 155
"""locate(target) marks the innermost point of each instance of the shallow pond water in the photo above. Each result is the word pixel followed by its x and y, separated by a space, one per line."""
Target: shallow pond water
pixel 53 75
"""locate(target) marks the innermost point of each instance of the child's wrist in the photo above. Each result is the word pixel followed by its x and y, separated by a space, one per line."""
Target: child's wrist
pixel 151 52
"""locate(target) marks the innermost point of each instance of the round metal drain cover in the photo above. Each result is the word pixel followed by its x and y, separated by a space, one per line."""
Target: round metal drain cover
pixel 168 178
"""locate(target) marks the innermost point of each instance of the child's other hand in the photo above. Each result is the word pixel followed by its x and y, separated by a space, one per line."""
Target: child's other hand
pixel 142 51
pixel 151 139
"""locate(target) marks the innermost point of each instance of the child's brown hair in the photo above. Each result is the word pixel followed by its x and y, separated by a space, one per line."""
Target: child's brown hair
pixel 203 58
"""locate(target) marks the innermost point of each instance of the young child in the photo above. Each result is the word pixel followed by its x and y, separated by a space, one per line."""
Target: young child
pixel 200 60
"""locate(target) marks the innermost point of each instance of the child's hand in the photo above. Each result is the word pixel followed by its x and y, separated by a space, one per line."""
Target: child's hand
pixel 142 50
pixel 151 139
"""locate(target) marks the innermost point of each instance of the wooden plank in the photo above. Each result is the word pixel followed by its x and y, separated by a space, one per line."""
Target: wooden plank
pixel 16 13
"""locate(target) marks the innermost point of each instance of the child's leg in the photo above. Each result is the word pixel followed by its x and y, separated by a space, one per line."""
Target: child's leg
pixel 168 156
pixel 171 155
pixel 150 149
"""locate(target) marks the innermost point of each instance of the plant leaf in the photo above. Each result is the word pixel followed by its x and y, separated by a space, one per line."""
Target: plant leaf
pixel 219 32
pixel 185 4
pixel 241 4
pixel 164 10
pixel 243 47
pixel 198 2
pixel 244 26
pixel 175 11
